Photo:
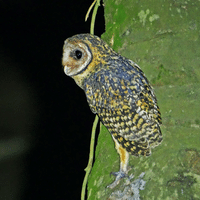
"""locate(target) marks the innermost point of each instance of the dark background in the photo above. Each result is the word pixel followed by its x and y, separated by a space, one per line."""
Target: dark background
pixel 59 121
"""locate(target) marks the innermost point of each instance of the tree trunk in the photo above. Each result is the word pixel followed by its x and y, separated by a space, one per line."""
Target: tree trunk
pixel 162 37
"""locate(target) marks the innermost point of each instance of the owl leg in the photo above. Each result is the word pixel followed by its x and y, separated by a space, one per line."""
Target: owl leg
pixel 124 158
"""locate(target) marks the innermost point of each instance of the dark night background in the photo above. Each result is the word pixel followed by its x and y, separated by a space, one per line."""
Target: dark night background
pixel 42 108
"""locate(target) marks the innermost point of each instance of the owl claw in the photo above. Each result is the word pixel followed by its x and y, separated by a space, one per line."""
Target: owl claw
pixel 119 175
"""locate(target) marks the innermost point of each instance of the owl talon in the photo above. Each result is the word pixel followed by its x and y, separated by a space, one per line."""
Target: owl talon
pixel 119 175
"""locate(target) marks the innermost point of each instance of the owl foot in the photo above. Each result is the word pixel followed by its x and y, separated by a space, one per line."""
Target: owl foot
pixel 119 175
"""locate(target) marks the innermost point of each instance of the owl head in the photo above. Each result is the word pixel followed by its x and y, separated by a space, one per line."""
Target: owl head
pixel 82 54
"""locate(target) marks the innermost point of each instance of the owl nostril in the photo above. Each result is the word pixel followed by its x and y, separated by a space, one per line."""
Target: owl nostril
pixel 78 54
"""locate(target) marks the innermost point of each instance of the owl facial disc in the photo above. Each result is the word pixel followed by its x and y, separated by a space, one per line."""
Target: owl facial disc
pixel 76 57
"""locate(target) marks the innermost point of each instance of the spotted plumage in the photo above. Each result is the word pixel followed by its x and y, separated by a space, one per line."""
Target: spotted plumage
pixel 118 92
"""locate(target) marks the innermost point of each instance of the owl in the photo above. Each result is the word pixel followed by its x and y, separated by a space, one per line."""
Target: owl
pixel 118 92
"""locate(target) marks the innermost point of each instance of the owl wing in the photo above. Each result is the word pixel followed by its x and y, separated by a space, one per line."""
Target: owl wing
pixel 124 101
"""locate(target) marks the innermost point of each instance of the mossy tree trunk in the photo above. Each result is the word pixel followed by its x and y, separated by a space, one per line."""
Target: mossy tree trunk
pixel 162 37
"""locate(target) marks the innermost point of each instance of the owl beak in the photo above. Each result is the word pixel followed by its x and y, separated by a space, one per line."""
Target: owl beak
pixel 67 70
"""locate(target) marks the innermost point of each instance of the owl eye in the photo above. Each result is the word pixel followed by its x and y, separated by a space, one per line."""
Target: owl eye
pixel 78 54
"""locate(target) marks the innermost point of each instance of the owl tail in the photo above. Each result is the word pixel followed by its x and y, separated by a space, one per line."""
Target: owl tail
pixel 155 138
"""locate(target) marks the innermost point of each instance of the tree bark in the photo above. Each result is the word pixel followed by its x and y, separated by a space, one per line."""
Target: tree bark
pixel 162 37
